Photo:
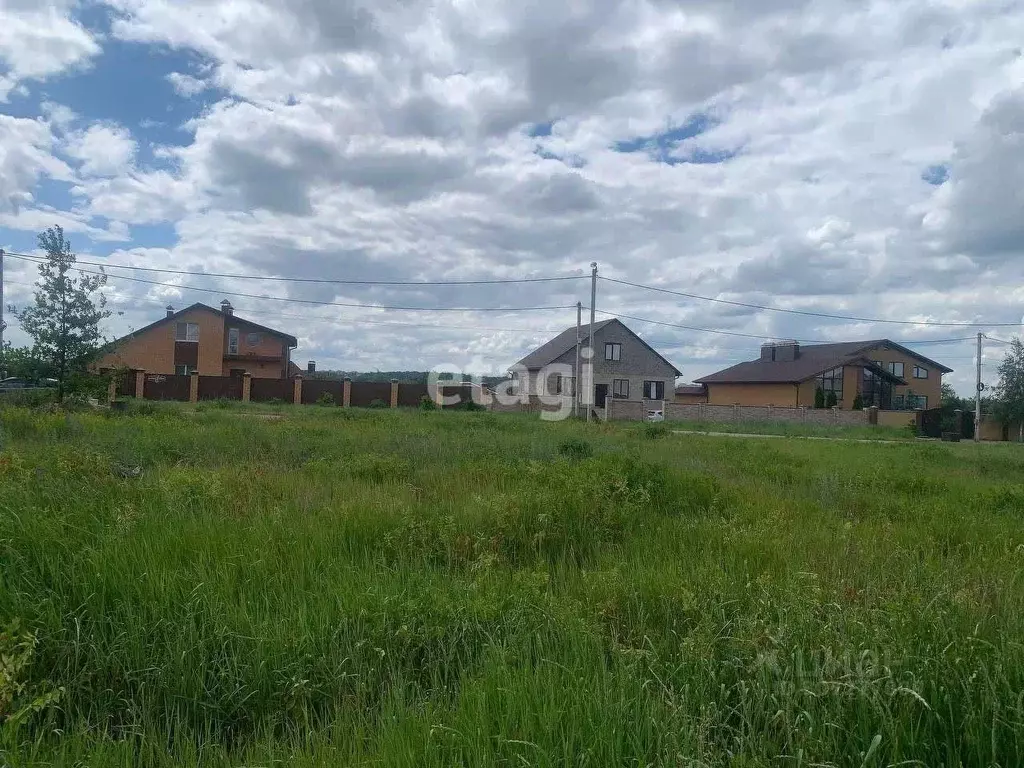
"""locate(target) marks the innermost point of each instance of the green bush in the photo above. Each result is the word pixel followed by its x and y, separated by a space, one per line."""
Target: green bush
pixel 819 398
pixel 575 448
pixel 427 403
pixel 655 431
pixel 858 402
pixel 326 398
pixel 378 403
pixel 831 401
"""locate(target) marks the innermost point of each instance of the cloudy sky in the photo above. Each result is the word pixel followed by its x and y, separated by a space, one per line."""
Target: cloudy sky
pixel 858 158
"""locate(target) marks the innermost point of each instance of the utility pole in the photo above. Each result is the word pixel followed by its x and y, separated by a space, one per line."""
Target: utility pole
pixel 576 372
pixel 977 396
pixel 590 343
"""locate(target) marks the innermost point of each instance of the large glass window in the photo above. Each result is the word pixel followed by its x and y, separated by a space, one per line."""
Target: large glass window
pixel 654 390
pixel 232 341
pixel 620 388
pixel 186 332
pixel 896 369
pixel 876 392
pixel 832 381
pixel 920 373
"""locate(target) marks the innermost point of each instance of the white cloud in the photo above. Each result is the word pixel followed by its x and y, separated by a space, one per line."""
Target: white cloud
pixel 102 149
pixel 186 85
pixel 38 39
pixel 25 157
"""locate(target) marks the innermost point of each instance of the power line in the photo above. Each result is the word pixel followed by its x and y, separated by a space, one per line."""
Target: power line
pixel 328 303
pixel 1001 341
pixel 320 281
pixel 807 313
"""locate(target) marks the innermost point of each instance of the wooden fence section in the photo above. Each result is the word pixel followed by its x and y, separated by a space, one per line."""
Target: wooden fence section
pixel 160 387
pixel 220 387
pixel 270 390
pixel 410 395
pixel 365 392
pixel 314 389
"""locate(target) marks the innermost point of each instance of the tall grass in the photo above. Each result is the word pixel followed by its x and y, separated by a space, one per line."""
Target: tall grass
pixel 210 586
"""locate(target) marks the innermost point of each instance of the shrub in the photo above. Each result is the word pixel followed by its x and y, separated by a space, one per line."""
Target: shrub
pixel 819 398
pixel 378 403
pixel 574 448
pixel 858 402
pixel 326 398
pixel 831 401
pixel 655 431
pixel 427 403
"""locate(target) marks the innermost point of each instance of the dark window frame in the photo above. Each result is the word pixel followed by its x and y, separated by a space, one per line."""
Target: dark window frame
pixel 617 390
pixel 918 369
pixel 654 390
pixel 185 337
pixel 613 351
pixel 827 382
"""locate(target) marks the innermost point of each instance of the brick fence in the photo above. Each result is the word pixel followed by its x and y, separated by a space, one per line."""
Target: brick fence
pixel 346 393
pixel 636 410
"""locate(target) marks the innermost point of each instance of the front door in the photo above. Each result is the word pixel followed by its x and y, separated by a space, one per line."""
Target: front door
pixel 600 394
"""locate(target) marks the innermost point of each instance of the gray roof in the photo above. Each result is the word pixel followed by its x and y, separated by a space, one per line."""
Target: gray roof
pixel 566 340
pixel 558 346
pixel 690 389
pixel 813 360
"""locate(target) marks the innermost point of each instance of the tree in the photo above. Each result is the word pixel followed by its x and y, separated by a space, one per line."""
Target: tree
pixel 1009 405
pixel 819 398
pixel 949 398
pixel 858 402
pixel 831 401
pixel 64 321
pixel 22 363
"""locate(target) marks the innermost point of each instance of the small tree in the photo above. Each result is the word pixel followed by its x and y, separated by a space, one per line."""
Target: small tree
pixel 1009 405
pixel 64 321
pixel 950 399
pixel 819 398
pixel 858 402
pixel 831 401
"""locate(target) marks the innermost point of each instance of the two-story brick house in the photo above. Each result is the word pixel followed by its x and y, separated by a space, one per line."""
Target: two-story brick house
pixel 882 372
pixel 624 366
pixel 201 339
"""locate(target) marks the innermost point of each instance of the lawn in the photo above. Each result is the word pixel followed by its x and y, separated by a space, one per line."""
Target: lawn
pixel 335 587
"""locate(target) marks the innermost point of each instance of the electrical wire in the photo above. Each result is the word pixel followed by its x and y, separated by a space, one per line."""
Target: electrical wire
pixel 314 280
pixel 806 313
pixel 327 303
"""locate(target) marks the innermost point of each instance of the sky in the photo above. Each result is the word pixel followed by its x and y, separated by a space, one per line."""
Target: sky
pixel 853 158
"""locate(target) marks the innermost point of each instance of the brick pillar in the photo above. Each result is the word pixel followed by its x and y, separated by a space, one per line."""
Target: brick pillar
pixel 297 390
pixel 873 414
pixel 111 390
pixel 346 393
pixel 140 383
pixel 246 386
pixel 193 388
pixel 394 393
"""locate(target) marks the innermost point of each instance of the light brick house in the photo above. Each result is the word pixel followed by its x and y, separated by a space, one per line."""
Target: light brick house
pixel 211 342
pixel 624 366
pixel 882 372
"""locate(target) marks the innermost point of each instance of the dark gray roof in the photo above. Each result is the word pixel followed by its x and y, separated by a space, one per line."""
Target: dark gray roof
pixel 558 346
pixel 292 341
pixel 813 360
pixel 566 340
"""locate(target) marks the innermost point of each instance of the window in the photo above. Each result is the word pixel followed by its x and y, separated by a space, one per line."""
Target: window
pixel 183 370
pixel 254 339
pixel 832 381
pixel 917 401
pixel 896 369
pixel 620 388
pixel 612 351
pixel 232 341
pixel 920 373
pixel 654 390
pixel 565 385
pixel 186 332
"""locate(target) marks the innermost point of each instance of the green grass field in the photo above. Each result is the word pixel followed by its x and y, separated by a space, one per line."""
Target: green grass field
pixel 440 589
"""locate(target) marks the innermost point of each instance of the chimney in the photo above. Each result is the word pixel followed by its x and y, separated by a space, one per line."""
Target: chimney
pixel 780 351
pixel 226 308
pixel 768 351
pixel 311 366
pixel 170 310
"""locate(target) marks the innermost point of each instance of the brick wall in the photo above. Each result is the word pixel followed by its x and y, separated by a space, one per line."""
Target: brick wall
pixel 628 410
